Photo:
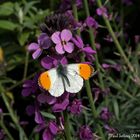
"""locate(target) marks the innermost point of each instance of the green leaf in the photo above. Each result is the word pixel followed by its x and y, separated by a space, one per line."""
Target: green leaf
pixel 48 115
pixel 7 25
pixel 116 108
pixel 23 37
pixel 6 9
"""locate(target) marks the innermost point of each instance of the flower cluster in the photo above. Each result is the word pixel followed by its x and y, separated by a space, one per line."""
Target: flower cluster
pixel 57 44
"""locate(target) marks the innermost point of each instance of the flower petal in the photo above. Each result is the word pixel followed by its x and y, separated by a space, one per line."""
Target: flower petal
pixel 66 35
pixel 33 47
pixel 38 117
pixel 47 62
pixel 53 128
pixel 59 49
pixel 26 92
pixel 60 106
pixel 30 110
pixel 47 135
pixel 27 84
pixel 69 47
pixel 56 37
pixel 78 42
pixel 64 61
pixel 37 53
pixel 89 50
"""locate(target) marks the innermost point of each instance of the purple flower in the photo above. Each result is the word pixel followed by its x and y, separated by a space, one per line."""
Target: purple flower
pixel 85 133
pixel 79 3
pixel 86 49
pixel 102 11
pixel 105 115
pixel 91 22
pixel 57 104
pixel 61 39
pixel 127 2
pixel 49 62
pixel 76 107
pixel 98 91
pixel 44 42
pixel 30 110
pixel 117 67
pixel 46 98
pixel 1 134
pixel 30 86
pixel 38 117
pixel 109 129
pixel 98 46
pixel 61 103
pixel 50 132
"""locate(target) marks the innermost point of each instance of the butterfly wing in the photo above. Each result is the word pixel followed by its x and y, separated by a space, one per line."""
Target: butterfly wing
pixel 83 70
pixel 75 74
pixel 52 82
pixel 73 82
pixel 57 88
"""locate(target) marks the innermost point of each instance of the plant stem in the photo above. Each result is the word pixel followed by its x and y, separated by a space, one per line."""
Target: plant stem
pixel 26 65
pixel 12 114
pixel 87 84
pixel 6 130
pixel 67 126
pixel 91 34
pixel 118 46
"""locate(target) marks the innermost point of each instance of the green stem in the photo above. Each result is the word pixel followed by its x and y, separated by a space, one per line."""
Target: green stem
pixel 67 126
pixel 118 46
pixel 12 114
pixel 91 34
pixel 26 65
pixel 6 130
pixel 87 84
pixel 90 97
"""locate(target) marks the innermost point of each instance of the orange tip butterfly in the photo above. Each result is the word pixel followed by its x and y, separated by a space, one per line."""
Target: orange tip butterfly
pixel 65 78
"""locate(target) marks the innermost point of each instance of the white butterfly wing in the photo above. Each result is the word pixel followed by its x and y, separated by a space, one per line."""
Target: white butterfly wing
pixel 73 82
pixel 57 88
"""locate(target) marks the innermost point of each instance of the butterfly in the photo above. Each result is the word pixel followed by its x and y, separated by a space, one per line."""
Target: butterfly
pixel 68 78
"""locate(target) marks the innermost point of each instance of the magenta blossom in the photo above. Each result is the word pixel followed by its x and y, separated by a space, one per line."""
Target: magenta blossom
pixel 86 49
pixel 85 133
pixel 44 42
pixel 109 129
pixel 102 11
pixel 50 132
pixel 117 67
pixel 76 107
pixel 49 62
pixel 91 22
pixel 62 41
pixel 30 110
pixel 57 104
pixel 105 114
pixel 39 119
pixel 30 86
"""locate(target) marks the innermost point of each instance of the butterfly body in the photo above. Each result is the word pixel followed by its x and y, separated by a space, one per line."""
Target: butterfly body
pixel 68 78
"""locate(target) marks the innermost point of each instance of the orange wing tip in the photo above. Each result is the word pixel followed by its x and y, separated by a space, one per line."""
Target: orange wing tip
pixel 44 81
pixel 86 71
